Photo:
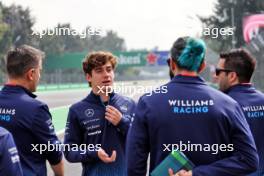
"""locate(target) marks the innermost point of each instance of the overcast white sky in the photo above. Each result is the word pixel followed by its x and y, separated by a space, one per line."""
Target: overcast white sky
pixel 142 23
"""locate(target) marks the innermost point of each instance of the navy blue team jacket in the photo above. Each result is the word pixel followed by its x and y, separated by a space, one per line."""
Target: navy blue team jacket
pixel 9 159
pixel 29 121
pixel 252 103
pixel 86 124
pixel 192 114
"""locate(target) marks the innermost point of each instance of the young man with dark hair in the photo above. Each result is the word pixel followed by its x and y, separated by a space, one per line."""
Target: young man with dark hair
pixel 234 71
pixel 101 121
pixel 9 159
pixel 28 119
pixel 193 118
pixel 238 67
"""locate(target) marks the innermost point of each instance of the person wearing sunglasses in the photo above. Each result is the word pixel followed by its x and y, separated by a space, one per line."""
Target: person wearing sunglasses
pixel 190 114
pixel 233 73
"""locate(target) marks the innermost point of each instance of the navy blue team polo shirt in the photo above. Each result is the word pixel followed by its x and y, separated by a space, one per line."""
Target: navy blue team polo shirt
pixel 195 115
pixel 29 121
pixel 252 103
pixel 87 125
pixel 9 159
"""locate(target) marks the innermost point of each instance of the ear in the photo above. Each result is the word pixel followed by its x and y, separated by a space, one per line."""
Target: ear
pixel 232 76
pixel 202 67
pixel 88 77
pixel 172 65
pixel 30 74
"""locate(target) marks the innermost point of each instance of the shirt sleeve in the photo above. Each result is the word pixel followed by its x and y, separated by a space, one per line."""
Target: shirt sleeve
pixel 137 142
pixel 244 159
pixel 45 134
pixel 126 119
pixel 73 138
pixel 9 158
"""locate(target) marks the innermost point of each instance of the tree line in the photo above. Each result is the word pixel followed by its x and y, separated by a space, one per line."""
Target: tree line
pixel 16 28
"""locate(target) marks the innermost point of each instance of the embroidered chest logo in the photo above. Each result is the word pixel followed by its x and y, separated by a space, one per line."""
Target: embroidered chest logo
pixel 89 112
pixel 123 108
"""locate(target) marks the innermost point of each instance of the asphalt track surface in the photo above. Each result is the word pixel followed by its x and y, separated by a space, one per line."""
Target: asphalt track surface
pixel 56 99
pixel 62 98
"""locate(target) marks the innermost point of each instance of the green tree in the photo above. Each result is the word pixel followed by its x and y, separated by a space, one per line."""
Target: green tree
pixel 20 22
pixel 222 18
pixel 110 42
pixel 16 28
pixel 56 41
pixel 52 43
pixel 3 29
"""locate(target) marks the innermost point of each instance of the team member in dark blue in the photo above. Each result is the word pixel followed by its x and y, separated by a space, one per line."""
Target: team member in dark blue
pixel 101 121
pixel 234 72
pixel 28 119
pixel 206 125
pixel 9 159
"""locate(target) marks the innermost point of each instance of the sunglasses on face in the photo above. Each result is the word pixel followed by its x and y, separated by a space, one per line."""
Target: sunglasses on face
pixel 219 70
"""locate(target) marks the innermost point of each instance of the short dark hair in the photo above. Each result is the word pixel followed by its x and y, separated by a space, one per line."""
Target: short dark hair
pixel 241 62
pixel 21 59
pixel 188 53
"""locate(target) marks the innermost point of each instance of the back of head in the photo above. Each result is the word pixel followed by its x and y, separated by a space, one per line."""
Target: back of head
pixel 188 53
pixel 241 62
pixel 21 59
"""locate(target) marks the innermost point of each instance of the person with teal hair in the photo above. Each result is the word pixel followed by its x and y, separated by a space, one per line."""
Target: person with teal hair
pixel 201 123
pixel 189 53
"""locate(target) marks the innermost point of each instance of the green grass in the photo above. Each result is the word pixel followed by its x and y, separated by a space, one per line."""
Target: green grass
pixel 59 117
pixel 52 87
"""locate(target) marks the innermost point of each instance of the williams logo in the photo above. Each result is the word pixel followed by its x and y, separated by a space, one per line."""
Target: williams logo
pixel 7 114
pixel 190 106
